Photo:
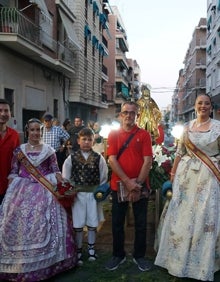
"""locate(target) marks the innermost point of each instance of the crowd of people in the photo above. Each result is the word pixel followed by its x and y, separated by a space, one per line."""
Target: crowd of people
pixel 44 239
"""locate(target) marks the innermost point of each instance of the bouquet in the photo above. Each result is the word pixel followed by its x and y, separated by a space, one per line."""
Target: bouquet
pixel 65 193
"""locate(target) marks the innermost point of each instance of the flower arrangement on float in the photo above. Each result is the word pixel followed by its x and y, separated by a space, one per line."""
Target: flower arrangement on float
pixel 163 158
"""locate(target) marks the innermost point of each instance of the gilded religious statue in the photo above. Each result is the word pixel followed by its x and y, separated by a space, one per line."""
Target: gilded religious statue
pixel 150 115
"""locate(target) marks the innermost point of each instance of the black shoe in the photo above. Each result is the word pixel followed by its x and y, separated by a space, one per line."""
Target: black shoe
pixel 142 264
pixel 114 263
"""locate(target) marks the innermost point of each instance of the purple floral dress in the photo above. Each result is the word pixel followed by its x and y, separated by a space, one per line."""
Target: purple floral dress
pixel 36 240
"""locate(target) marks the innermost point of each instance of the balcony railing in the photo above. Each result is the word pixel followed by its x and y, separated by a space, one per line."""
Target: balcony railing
pixel 14 22
pixel 66 55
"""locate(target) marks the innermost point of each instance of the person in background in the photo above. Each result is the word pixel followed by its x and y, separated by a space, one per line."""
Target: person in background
pixel 98 145
pixel 73 132
pixel 130 170
pixel 41 242
pixel 67 124
pixel 90 125
pixel 9 140
pixel 87 169
pixel 68 149
pixel 56 137
pixel 56 122
pixel 189 243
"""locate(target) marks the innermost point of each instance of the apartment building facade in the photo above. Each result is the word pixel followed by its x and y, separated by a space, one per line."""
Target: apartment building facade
pixel 177 98
pixel 192 78
pixel 213 54
pixel 124 74
pixel 51 56
pixel 37 51
pixel 86 96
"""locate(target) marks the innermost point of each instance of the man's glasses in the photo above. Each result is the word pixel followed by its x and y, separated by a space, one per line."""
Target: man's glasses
pixel 126 113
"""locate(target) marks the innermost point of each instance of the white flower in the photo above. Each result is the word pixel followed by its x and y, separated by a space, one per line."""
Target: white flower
pixel 158 155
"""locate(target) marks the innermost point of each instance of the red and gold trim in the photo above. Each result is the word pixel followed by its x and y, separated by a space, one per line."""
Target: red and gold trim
pixel 202 156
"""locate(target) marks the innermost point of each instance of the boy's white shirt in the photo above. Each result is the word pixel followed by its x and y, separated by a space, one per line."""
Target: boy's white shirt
pixel 103 168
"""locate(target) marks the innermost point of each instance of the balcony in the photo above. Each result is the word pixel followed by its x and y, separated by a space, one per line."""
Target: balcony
pixel 121 62
pixel 201 64
pixel 13 23
pixel 104 73
pixel 19 33
pixel 122 39
pixel 201 83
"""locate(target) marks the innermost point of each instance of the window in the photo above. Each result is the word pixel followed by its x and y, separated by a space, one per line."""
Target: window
pixel 47 31
pixel 85 81
pixel 93 16
pixel 70 31
pixel 208 83
pixel 218 5
pixel 85 47
pixel 9 96
pixel 209 22
pixel 218 75
pixel 209 49
pixel 86 9
pixel 55 108
pixel 93 82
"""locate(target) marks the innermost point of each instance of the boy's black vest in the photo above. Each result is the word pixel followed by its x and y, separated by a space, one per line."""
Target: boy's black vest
pixel 85 172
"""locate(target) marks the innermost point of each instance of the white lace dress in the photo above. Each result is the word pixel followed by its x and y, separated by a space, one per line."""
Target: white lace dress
pixel 189 244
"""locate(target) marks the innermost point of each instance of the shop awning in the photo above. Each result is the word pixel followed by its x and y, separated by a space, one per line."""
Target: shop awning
pixel 68 25
pixel 95 8
pixel 87 32
pixel 95 41
pixel 103 20
pixel 125 91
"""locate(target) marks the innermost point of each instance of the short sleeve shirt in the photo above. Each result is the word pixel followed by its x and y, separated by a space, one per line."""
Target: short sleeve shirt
pixel 132 157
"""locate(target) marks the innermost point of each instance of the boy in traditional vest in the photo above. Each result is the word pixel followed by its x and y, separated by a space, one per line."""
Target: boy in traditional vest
pixel 87 169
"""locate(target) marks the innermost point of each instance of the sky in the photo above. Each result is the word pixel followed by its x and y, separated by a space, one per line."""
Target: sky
pixel 158 34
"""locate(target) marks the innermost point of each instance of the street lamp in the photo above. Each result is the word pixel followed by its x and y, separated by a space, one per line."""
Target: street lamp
pixel 177 131
pixel 104 132
pixel 105 129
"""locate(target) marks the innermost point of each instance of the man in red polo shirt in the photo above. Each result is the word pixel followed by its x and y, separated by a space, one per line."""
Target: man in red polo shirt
pixel 9 140
pixel 132 169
